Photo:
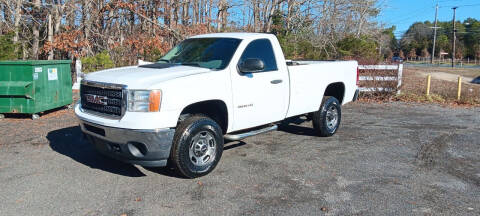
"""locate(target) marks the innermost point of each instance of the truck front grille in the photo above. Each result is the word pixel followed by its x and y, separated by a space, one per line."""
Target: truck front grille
pixel 103 98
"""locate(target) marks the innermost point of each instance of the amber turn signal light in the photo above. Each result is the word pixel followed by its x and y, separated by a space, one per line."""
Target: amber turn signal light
pixel 154 99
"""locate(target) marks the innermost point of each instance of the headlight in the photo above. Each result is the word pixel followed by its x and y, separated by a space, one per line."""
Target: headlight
pixel 144 100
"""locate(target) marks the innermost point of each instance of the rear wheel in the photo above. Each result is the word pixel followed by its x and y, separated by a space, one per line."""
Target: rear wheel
pixel 327 119
pixel 197 146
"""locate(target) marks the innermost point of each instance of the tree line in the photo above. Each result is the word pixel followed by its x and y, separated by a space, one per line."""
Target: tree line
pixel 418 40
pixel 119 32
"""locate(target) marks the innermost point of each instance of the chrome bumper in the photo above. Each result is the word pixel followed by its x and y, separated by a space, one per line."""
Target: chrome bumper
pixel 142 147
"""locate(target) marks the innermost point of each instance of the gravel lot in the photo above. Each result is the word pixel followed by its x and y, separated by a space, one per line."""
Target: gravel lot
pixel 387 159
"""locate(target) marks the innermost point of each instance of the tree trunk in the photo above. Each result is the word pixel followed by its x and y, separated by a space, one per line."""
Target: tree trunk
pixel 185 10
pixel 256 15
pixel 222 7
pixel 264 14
pixel 195 12
pixel 50 36
pixel 202 12
pixel 108 25
pixel 59 9
pixel 17 18
pixel 225 16
pixel 87 24
pixel 290 8
pixel 270 16
pixel 132 20
pixel 166 13
pixel 154 16
pixel 175 12
pixel 209 16
pixel 7 15
pixel 71 14
pixel 36 29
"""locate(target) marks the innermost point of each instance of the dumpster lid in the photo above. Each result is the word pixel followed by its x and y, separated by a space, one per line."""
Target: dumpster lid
pixel 35 62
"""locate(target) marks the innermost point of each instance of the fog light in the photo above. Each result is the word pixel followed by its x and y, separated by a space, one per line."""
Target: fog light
pixel 137 149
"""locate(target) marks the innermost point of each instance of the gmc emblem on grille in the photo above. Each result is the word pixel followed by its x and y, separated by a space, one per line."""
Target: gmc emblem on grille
pixel 96 99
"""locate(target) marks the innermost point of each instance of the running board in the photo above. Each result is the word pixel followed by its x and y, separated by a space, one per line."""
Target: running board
pixel 237 137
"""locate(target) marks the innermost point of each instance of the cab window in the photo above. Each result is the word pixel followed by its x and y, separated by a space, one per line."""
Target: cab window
pixel 261 49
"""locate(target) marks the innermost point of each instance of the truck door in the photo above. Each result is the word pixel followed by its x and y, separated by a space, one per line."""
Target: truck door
pixel 262 97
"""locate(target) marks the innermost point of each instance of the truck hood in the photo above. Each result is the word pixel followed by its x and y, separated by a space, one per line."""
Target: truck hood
pixel 137 77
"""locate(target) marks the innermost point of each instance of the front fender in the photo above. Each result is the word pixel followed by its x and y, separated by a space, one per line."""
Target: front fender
pixel 179 93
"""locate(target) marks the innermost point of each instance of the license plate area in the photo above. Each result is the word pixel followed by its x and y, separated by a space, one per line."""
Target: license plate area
pixel 95 130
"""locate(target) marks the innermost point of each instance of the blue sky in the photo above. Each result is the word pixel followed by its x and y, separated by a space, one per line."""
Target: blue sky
pixel 403 13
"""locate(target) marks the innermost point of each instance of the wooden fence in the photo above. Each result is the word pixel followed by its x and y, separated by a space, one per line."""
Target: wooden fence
pixel 395 75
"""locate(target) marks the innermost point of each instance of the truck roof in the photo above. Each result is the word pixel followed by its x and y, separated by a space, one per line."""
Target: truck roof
pixel 238 35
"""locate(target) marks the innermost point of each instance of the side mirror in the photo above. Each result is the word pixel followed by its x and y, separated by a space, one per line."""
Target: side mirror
pixel 251 65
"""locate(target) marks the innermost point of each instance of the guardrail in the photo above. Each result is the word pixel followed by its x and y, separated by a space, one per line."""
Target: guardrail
pixel 374 78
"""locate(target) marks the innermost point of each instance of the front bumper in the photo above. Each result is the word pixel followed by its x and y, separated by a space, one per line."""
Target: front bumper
pixel 142 147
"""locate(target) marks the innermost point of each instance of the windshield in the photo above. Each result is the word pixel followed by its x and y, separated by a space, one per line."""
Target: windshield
pixel 213 53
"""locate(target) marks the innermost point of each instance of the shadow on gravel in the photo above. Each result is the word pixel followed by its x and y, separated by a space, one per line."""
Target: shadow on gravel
pixel 170 172
pixel 298 130
pixel 70 142
pixel 166 171
pixel 232 146
pixel 293 126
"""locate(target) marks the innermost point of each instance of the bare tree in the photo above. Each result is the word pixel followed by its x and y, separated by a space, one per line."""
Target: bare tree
pixel 58 29
pixel 222 15
pixel 185 12
pixel 36 28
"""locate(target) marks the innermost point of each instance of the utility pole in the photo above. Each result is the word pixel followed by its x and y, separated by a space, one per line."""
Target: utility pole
pixel 454 36
pixel 434 35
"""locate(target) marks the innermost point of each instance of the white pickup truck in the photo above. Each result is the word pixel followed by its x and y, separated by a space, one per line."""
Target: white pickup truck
pixel 206 89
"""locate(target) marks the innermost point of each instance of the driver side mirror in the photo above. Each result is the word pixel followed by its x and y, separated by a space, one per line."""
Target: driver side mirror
pixel 252 65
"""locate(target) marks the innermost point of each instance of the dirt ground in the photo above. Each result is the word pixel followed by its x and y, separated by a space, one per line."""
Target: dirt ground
pixel 386 159
pixel 444 86
pixel 445 73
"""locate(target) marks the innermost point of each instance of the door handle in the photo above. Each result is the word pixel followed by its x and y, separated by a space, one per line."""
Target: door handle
pixel 276 81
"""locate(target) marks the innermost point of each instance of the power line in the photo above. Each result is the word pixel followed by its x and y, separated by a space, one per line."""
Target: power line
pixel 469 5
pixel 449 1
pixel 414 14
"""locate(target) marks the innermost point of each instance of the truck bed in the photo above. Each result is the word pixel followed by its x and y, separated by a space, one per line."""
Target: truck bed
pixel 308 62
pixel 309 79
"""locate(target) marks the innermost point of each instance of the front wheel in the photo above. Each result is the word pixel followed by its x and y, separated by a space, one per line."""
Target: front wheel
pixel 327 119
pixel 197 146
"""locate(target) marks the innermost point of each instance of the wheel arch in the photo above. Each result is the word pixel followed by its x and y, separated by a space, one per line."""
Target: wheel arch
pixel 336 90
pixel 214 109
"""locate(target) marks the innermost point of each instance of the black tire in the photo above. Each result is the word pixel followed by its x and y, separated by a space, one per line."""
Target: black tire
pixel 185 135
pixel 322 123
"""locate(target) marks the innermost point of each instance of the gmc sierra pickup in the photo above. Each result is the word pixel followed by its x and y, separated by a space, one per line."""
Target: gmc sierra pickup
pixel 206 89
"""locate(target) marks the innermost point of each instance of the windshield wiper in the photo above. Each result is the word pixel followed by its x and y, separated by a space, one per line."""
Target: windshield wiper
pixel 165 60
pixel 190 64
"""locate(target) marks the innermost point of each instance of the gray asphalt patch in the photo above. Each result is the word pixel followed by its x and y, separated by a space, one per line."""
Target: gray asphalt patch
pixel 386 159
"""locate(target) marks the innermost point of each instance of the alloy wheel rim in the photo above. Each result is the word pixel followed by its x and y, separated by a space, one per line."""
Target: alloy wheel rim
pixel 332 117
pixel 202 150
